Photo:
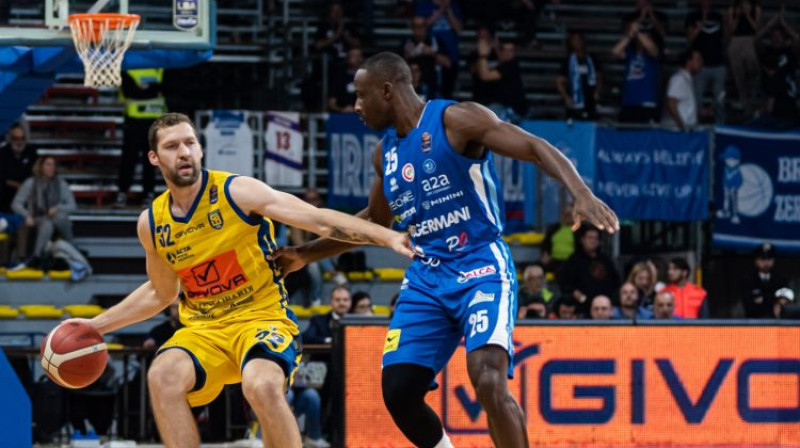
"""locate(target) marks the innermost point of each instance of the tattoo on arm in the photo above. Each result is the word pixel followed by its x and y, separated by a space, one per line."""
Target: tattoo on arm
pixel 339 233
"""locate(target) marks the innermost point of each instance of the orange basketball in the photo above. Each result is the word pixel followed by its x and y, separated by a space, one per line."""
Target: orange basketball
pixel 74 355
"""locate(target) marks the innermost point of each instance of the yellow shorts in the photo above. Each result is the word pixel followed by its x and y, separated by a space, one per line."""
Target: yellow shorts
pixel 220 350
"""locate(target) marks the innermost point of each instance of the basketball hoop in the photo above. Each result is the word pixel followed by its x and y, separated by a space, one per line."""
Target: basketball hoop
pixel 101 41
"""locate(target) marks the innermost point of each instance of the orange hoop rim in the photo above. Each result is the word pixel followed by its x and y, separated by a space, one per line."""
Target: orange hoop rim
pixel 110 20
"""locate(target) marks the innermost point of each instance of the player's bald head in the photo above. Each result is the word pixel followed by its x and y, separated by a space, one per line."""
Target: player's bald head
pixel 387 67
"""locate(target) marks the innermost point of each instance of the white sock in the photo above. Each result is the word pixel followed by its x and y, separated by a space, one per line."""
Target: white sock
pixel 445 442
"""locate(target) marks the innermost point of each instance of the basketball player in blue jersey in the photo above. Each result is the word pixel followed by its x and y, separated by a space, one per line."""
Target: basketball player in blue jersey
pixel 437 180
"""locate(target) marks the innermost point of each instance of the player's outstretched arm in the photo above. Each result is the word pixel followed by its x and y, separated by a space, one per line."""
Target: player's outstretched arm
pixel 147 300
pixel 256 197
pixel 470 123
pixel 291 259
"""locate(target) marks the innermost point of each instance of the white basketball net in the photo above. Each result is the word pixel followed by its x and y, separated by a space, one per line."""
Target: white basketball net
pixel 101 43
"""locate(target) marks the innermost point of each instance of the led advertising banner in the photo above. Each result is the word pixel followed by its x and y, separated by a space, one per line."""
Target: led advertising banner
pixel 607 386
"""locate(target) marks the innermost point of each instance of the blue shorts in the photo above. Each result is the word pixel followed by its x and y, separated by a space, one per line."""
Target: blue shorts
pixel 441 301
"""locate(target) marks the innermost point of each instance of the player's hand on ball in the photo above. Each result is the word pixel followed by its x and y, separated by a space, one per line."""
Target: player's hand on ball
pixel 401 243
pixel 589 207
pixel 80 320
pixel 287 260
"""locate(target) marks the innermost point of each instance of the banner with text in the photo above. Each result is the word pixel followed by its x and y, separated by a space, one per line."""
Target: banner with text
pixel 576 142
pixel 653 174
pixel 606 386
pixel 757 189
pixel 283 164
pixel 229 142
pixel 351 173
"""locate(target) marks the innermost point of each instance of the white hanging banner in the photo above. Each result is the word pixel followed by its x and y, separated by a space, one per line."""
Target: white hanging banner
pixel 283 163
pixel 229 142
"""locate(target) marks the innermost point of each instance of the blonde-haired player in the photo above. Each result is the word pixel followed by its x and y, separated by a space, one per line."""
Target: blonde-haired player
pixel 211 236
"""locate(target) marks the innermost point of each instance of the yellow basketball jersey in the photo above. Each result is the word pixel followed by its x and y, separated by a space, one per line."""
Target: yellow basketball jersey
pixel 219 253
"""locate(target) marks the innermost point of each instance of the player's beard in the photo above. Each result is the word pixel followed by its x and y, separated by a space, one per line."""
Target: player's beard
pixel 184 180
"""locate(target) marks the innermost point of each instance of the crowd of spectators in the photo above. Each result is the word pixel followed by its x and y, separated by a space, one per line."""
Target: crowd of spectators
pixel 35 205
pixel 723 41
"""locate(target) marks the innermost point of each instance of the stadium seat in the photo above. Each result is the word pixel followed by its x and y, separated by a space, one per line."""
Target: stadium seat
pixel 85 311
pixel 382 310
pixel 526 239
pixel 6 312
pixel 41 312
pixel 390 274
pixel 25 274
pixel 320 309
pixel 300 311
pixel 357 276
pixel 60 275
pixel 3 236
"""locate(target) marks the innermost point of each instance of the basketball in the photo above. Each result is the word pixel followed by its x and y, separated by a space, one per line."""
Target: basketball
pixel 74 355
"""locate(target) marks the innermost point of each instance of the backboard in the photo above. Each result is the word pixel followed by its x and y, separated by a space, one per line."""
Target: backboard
pixel 165 24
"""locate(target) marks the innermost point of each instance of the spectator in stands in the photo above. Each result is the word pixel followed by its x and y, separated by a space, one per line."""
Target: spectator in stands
pixel 784 307
pixel 535 309
pixel 559 241
pixel 564 308
pixel 780 85
pixel 761 284
pixel 650 22
pixel 423 89
pixel 46 202
pixel 143 95
pixel 630 304
pixel 534 287
pixel 601 308
pixel 704 31
pixel 319 327
pixel 690 299
pixel 307 401
pixel 664 306
pixel 681 104
pixel 742 20
pixel 426 50
pixel 509 101
pixel 443 18
pixel 16 164
pixel 334 35
pixel 588 272
pixel 779 60
pixel 362 304
pixel 580 79
pixel 642 68
pixel 484 92
pixel 159 334
pixel 342 96
pixel 644 277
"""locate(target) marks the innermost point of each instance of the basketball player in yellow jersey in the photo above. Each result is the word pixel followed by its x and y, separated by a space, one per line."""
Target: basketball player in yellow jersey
pixel 211 236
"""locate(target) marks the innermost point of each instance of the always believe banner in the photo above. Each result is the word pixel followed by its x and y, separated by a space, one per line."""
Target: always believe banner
pixel 757 189
pixel 653 174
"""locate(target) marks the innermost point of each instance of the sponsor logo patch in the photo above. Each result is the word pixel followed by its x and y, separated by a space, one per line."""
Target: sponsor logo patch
pixel 477 273
pixel 408 172
pixel 481 297
pixel 215 219
pixel 392 341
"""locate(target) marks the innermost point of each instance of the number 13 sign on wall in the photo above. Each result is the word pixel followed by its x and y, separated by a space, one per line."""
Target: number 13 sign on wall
pixel 283 163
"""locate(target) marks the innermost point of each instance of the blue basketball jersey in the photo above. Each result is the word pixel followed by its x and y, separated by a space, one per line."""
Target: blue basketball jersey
pixel 449 203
